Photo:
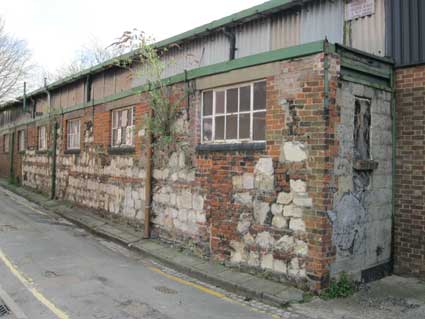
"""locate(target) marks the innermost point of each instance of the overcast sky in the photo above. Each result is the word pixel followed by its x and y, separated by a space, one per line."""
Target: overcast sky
pixel 56 29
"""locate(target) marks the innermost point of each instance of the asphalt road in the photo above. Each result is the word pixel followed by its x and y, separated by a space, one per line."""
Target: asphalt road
pixel 53 269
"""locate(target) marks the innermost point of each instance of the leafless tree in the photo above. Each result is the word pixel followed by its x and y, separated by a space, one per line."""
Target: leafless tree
pixel 91 54
pixel 14 64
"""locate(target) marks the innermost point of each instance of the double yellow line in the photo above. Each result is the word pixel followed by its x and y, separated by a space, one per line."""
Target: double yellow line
pixel 28 283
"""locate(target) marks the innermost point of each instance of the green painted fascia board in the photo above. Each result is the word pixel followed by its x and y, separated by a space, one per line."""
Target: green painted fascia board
pixel 361 67
pixel 386 60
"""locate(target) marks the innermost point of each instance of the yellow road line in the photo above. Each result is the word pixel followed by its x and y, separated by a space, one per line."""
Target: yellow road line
pixel 191 284
pixel 28 283
pixel 207 291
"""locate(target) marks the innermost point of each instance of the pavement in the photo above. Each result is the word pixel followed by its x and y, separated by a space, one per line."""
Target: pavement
pixel 59 261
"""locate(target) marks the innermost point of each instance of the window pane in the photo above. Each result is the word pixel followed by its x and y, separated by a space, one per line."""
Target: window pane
pixel 114 136
pixel 232 127
pixel 259 126
pixel 245 98
pixel 207 128
pixel 232 100
pixel 219 102
pixel 260 96
pixel 208 102
pixel 219 128
pixel 244 125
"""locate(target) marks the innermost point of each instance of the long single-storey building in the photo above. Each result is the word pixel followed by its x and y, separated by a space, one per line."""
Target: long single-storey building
pixel 285 144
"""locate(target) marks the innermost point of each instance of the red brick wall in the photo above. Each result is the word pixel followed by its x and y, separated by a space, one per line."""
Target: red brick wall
pixel 409 236
pixel 209 224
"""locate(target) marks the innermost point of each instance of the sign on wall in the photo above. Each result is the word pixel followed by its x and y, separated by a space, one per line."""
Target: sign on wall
pixel 359 8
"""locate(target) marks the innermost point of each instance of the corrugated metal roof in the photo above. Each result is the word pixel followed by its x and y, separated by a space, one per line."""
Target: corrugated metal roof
pixel 285 30
pixel 323 19
pixel 253 38
pixel 368 33
pixel 406 31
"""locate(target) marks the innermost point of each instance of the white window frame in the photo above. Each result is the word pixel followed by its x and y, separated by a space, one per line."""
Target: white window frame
pixel 21 141
pixel 213 116
pixel 129 128
pixel 73 134
pixel 6 143
pixel 42 138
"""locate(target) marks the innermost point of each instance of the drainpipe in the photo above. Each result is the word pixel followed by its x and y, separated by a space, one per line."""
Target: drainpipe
pixel 25 97
pixel 11 158
pixel 232 38
pixel 148 182
pixel 53 176
pixel 394 157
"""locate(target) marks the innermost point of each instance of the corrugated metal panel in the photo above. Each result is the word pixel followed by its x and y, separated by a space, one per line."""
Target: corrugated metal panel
pixel 198 53
pixel 368 33
pixel 253 38
pixel 406 31
pixel 285 30
pixel 321 19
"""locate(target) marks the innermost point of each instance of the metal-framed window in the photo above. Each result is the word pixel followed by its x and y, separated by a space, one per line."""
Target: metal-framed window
pixel 123 127
pixel 234 114
pixel 42 138
pixel 21 140
pixel 6 143
pixel 73 134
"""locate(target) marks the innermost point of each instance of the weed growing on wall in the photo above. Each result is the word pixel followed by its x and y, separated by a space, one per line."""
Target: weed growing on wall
pixel 165 107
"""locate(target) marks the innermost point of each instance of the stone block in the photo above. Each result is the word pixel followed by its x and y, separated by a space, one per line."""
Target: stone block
pixel 267 262
pixel 265 240
pixel 277 209
pixel 297 225
pixel 302 200
pixel 261 211
pixel 298 186
pixel 293 152
pixel 243 198
pixel 292 211
pixel 284 198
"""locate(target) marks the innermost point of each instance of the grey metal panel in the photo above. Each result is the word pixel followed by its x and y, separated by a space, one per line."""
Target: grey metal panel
pixel 197 53
pixel 322 18
pixel 253 38
pixel 368 33
pixel 285 30
pixel 406 26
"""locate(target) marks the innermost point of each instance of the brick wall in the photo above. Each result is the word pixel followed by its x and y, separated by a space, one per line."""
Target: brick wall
pixel 264 210
pixel 409 227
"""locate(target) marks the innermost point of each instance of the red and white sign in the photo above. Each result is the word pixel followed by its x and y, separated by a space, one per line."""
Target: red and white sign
pixel 359 8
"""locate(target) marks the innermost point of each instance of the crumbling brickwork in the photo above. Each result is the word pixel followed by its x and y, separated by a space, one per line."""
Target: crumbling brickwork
pixel 409 235
pixel 264 208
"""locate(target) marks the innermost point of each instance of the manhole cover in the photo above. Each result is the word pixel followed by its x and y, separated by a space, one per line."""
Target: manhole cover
pixel 165 290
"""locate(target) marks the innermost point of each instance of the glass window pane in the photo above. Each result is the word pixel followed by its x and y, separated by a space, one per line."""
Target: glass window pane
pixel 219 102
pixel 232 100
pixel 244 126
pixel 208 102
pixel 245 98
pixel 259 126
pixel 260 96
pixel 219 128
pixel 232 127
pixel 207 130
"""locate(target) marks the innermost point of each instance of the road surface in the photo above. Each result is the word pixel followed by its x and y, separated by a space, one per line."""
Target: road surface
pixel 53 269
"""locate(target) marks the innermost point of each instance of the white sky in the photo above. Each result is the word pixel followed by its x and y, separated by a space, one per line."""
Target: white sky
pixel 56 29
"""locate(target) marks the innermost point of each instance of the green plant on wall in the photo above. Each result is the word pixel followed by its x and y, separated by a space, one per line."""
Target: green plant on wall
pixel 165 107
